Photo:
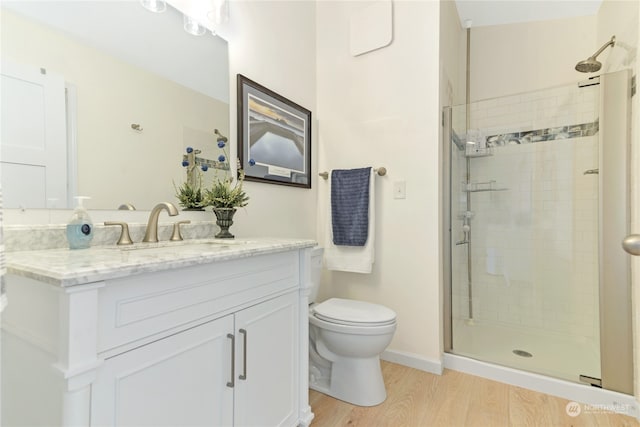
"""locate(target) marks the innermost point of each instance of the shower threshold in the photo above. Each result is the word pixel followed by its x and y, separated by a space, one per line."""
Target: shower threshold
pixel 572 391
pixel 555 356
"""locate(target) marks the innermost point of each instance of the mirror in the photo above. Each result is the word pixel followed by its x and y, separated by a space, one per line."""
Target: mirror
pixel 129 91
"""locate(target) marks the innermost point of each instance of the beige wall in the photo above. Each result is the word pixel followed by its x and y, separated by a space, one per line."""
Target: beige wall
pixel 619 18
pixel 273 43
pixel 381 109
pixel 453 45
pixel 115 163
pixel 515 58
pixel 622 18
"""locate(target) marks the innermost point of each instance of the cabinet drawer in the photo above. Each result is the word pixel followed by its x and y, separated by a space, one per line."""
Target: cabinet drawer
pixel 157 304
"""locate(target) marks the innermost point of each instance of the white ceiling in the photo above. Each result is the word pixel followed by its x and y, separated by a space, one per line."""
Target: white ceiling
pixel 497 12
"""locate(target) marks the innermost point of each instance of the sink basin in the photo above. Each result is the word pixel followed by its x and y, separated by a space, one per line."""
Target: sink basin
pixel 196 244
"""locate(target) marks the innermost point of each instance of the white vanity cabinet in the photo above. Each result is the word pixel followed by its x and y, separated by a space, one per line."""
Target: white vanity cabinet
pixel 210 375
pixel 213 344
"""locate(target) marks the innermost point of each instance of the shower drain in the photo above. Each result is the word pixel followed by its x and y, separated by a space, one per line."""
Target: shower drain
pixel 522 353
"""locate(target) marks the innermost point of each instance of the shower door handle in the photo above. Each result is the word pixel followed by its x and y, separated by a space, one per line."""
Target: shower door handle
pixel 631 244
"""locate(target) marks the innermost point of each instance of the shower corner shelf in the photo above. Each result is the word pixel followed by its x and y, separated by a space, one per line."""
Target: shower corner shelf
pixel 480 187
pixel 484 190
pixel 472 155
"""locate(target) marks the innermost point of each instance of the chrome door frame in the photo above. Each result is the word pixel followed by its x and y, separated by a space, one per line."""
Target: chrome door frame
pixel 446 229
pixel 616 338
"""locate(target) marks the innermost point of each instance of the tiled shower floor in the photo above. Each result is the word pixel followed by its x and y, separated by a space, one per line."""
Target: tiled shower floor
pixel 555 356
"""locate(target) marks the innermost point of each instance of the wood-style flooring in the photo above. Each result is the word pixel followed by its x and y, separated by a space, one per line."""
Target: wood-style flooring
pixel 454 399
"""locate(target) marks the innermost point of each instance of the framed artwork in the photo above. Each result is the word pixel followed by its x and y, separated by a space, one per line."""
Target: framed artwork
pixel 274 136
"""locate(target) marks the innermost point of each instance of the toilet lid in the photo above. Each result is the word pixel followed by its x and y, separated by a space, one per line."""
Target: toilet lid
pixel 352 312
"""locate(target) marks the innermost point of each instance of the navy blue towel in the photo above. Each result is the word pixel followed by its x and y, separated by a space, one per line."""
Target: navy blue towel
pixel 350 206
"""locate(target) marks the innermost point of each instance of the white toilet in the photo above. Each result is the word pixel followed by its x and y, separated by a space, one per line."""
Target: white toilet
pixel 346 338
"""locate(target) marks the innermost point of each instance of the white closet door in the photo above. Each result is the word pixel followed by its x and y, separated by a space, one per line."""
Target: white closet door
pixel 33 137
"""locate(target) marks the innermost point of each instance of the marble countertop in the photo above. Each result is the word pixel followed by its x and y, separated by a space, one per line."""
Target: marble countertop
pixel 65 267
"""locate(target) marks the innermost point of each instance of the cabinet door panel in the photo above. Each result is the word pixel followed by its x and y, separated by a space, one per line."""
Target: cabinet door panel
pixel 268 394
pixel 177 381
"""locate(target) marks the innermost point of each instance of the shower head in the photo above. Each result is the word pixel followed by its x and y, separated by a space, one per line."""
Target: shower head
pixel 591 65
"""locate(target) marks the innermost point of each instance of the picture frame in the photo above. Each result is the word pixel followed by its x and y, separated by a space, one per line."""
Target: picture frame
pixel 274 136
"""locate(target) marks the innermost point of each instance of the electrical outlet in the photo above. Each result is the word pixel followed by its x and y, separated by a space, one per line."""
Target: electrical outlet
pixel 400 190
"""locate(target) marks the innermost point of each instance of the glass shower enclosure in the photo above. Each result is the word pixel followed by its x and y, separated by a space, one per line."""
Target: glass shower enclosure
pixel 525 236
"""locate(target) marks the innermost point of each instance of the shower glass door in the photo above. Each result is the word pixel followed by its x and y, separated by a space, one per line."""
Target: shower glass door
pixel 524 215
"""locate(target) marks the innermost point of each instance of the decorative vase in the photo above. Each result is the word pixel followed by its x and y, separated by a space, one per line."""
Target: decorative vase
pixel 224 220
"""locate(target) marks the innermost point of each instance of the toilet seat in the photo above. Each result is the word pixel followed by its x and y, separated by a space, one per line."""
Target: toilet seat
pixel 354 313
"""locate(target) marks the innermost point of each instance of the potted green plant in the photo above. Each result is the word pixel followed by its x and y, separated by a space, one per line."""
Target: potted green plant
pixel 190 198
pixel 226 194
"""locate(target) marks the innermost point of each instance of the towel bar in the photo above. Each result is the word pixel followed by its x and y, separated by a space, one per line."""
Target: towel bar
pixel 382 171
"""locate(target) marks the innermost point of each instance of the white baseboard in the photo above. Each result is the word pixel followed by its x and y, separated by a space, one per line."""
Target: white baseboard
pixel 413 361
pixel 306 416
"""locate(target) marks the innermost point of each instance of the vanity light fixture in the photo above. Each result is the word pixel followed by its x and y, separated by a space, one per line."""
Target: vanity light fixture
pixel 156 6
pixel 192 26
pixel 220 12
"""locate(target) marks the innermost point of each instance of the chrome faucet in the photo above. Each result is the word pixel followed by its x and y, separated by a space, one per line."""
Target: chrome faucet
pixel 151 235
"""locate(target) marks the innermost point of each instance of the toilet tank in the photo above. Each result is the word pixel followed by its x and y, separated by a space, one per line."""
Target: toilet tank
pixel 316 272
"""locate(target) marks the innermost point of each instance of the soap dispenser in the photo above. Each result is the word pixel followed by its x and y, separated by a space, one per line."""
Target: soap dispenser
pixel 80 227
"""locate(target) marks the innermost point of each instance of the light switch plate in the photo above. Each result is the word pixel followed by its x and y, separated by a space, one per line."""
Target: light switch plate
pixel 400 190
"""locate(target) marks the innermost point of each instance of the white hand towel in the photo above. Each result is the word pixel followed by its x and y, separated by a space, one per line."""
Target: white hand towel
pixel 354 259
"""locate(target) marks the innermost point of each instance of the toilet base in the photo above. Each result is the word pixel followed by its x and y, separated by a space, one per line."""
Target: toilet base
pixel 355 381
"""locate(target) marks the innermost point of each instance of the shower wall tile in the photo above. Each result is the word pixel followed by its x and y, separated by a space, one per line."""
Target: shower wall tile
pixel 534 250
pixel 556 107
pixel 534 253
